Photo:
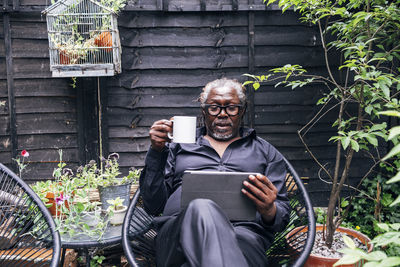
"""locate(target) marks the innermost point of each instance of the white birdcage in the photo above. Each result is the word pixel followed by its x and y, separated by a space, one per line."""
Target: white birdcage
pixel 83 39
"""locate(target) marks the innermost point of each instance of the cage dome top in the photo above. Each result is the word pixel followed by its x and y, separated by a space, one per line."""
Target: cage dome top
pixel 77 6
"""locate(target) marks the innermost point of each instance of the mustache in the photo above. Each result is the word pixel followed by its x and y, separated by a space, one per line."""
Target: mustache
pixel 221 123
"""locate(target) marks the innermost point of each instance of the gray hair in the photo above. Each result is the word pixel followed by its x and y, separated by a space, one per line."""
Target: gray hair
pixel 224 83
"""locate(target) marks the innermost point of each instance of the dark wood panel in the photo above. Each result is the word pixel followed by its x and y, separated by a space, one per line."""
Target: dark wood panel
pixel 286 96
pixel 28 30
pixel 3 106
pixel 190 5
pixel 3 69
pixel 45 105
pixel 31 68
pixel 46 123
pixel 184 58
pixel 276 56
pixel 145 117
pixel 44 141
pixel 228 36
pixel 45 87
pixel 289 128
pixel 30 48
pixel 215 58
pixel 173 78
pixel 125 132
pixel 129 145
pixel 5 144
pixel 5 157
pixel 292 139
pixel 51 155
pixel 39 171
pixel 142 91
pixel 179 37
pixel 3 89
pixel 131 159
pixel 4 125
pixel 146 101
pixel 207 19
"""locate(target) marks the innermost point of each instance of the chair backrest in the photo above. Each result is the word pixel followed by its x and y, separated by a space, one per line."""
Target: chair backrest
pixel 28 235
pixel 293 245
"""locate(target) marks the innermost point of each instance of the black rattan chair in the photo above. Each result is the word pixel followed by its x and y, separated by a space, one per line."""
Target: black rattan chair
pixel 28 235
pixel 291 247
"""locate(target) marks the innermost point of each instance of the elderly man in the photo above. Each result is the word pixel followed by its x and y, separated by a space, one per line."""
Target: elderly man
pixel 201 235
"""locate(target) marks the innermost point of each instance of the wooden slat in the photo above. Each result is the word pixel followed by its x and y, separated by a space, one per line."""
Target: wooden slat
pixel 208 19
pixel 48 141
pixel 28 256
pixel 132 145
pixel 47 123
pixel 44 87
pixel 228 36
pixel 39 105
pixel 10 84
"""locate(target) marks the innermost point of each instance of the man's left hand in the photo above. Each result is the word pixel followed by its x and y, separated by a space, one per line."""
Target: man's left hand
pixel 263 193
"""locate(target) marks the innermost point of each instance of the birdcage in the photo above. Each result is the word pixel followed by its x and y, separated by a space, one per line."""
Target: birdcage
pixel 83 39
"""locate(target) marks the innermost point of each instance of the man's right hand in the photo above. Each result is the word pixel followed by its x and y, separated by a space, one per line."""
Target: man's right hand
pixel 159 134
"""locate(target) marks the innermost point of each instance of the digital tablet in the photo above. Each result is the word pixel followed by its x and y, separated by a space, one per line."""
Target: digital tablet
pixel 224 188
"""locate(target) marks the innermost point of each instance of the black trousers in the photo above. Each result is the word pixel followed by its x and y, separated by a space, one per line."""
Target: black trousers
pixel 203 236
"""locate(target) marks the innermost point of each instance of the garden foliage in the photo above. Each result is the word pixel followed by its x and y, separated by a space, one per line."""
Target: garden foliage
pixel 366 34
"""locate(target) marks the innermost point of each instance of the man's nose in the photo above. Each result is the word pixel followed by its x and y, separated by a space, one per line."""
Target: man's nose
pixel 223 113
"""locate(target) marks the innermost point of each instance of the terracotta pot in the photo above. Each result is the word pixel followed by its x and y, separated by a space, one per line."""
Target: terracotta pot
pixel 104 40
pixel 320 261
pixel 66 59
pixel 52 209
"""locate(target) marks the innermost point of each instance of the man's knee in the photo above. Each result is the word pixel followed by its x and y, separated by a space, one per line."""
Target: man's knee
pixel 204 209
pixel 201 204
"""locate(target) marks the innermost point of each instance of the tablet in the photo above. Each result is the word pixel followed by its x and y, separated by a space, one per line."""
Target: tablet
pixel 224 188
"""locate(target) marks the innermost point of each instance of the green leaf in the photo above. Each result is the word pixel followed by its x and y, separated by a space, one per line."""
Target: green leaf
pixel 372 140
pixel 390 261
pixel 393 132
pixel 383 226
pixel 390 113
pixel 256 85
pixel 354 145
pixel 345 142
pixel 349 242
pixel 397 201
pixel 377 255
pixel 395 150
pixel 394 179
pixel 347 259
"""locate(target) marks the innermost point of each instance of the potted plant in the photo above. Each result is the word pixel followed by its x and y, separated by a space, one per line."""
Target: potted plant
pixel 365 35
pixel 111 185
pixel 116 210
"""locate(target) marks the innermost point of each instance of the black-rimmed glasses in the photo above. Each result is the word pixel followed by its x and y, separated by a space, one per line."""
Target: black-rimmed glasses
pixel 214 109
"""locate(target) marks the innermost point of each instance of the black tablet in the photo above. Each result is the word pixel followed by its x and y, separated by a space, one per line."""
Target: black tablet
pixel 224 188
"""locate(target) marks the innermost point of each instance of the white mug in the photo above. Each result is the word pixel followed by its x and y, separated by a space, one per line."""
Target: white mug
pixel 183 130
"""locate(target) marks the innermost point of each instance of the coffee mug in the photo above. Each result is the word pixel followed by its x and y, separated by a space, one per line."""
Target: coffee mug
pixel 183 130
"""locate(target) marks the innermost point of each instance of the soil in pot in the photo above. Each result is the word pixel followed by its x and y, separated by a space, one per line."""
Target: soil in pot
pixel 322 256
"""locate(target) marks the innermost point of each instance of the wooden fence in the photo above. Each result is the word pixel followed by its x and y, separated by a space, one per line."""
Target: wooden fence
pixel 171 49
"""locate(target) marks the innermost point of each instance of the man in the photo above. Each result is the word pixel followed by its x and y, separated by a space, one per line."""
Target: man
pixel 202 235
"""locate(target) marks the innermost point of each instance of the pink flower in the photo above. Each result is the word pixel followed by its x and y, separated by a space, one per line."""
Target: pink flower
pixel 24 153
pixel 61 199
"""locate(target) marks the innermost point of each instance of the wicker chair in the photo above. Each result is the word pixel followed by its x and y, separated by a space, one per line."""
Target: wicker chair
pixel 28 235
pixel 290 247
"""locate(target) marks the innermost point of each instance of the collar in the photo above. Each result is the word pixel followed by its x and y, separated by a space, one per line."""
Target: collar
pixel 243 131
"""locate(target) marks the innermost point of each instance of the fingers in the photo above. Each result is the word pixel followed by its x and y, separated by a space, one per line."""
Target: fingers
pixel 159 133
pixel 261 190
